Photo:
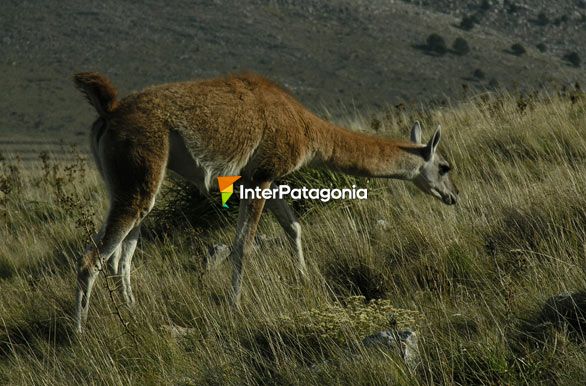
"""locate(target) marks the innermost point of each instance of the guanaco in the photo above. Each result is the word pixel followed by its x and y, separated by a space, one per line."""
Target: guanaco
pixel 234 125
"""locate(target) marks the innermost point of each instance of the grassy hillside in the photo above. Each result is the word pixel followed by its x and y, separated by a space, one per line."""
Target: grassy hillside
pixel 337 53
pixel 472 280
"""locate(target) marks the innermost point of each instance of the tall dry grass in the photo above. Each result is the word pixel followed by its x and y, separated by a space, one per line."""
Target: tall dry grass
pixel 471 280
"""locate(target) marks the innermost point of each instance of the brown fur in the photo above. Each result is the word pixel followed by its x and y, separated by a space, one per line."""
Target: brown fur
pixel 248 121
pixel 98 90
pixel 235 125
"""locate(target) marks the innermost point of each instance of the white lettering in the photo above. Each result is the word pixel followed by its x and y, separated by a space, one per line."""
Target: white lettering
pixel 285 191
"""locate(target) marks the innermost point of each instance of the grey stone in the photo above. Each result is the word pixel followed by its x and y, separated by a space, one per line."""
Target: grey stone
pixel 216 254
pixel 382 224
pixel 177 331
pixel 402 342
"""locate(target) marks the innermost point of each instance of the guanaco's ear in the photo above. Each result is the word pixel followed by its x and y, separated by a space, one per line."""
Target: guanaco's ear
pixel 433 142
pixel 416 132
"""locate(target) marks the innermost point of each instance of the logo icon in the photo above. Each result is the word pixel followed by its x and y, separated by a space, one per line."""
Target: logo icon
pixel 226 184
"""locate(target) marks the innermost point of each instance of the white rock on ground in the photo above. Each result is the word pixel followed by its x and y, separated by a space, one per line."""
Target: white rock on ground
pixel 402 342
pixel 382 224
pixel 177 331
pixel 216 254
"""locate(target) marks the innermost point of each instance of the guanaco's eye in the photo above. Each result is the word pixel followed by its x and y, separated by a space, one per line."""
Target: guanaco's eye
pixel 444 168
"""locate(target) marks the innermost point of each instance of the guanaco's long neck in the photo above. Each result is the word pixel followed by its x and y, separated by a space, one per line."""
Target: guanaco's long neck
pixel 366 155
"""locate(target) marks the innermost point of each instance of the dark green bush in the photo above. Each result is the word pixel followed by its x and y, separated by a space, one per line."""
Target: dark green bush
pixel 561 20
pixel 542 19
pixel 468 22
pixel 479 74
pixel 461 46
pixel 513 8
pixel 573 58
pixel 518 49
pixel 437 44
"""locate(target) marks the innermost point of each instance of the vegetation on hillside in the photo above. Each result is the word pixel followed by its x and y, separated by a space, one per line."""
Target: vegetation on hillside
pixel 473 280
pixel 359 61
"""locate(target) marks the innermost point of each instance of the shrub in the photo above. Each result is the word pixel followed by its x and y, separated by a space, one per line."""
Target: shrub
pixel 485 5
pixel 493 83
pixel 479 74
pixel 561 20
pixel 375 124
pixel 468 22
pixel 566 311
pixel 182 206
pixel 542 19
pixel 437 44
pixel 351 277
pixel 573 58
pixel 461 46
pixel 513 8
pixel 541 47
pixel 518 49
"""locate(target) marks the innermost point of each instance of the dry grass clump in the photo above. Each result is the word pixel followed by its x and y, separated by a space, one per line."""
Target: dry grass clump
pixel 353 315
pixel 476 281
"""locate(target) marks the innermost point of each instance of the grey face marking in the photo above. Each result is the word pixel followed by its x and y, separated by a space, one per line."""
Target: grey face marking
pixel 434 175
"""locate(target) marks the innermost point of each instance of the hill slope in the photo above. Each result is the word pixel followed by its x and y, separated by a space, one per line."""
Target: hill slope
pixel 473 280
pixel 339 54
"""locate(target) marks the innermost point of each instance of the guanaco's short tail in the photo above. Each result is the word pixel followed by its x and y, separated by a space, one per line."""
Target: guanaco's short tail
pixel 98 90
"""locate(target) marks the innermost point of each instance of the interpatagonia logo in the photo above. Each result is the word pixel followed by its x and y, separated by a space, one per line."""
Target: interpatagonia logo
pixel 285 191
pixel 226 184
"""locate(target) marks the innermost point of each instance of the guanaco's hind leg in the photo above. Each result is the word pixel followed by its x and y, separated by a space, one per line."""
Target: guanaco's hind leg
pixel 248 218
pixel 120 222
pixel 128 248
pixel 121 264
pixel 133 172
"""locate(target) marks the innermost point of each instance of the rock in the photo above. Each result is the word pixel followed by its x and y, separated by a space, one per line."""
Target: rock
pixel 177 331
pixel 261 238
pixel 216 254
pixel 382 224
pixel 566 310
pixel 402 342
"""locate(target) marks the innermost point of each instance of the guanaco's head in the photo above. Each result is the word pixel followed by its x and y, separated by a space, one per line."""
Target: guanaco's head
pixel 433 176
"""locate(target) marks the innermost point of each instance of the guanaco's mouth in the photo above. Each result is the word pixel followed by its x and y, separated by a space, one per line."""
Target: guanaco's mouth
pixel 450 199
pixel 446 198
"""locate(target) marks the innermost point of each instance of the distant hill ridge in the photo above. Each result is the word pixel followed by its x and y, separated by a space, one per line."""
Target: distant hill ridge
pixel 338 54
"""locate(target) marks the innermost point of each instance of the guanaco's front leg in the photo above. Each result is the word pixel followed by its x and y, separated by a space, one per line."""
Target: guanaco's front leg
pixel 248 218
